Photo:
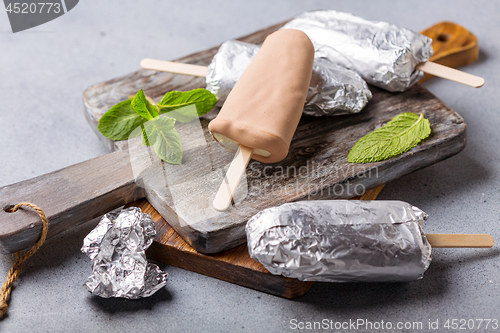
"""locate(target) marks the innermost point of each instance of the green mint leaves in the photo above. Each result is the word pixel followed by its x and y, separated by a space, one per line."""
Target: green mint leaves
pixel 162 136
pixel 143 107
pixel 399 135
pixel 118 123
pixel 157 121
pixel 187 105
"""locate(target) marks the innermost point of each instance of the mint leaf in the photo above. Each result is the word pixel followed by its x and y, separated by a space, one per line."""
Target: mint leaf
pixel 399 135
pixel 140 116
pixel 175 103
pixel 161 134
pixel 119 121
pixel 185 114
pixel 143 107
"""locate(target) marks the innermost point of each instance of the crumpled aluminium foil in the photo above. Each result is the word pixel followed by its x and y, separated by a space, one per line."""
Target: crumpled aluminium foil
pixel 384 54
pixel 341 241
pixel 334 90
pixel 117 248
pixel 227 65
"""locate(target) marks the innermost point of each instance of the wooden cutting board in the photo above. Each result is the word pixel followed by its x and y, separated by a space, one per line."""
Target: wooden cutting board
pixel 323 140
pixel 233 266
pixel 317 158
pixel 81 192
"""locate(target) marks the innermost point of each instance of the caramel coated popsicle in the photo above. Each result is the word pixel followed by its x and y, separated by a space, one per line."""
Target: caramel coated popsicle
pixel 263 110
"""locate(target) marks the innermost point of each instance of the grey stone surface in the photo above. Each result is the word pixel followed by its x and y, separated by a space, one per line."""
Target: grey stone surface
pixel 43 73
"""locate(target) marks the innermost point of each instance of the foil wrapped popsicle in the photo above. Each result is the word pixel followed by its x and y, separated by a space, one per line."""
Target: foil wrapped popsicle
pixel 341 241
pixel 334 89
pixel 384 54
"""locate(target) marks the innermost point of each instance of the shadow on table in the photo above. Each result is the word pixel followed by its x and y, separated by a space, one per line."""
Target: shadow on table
pixel 356 296
pixel 452 177
pixel 122 305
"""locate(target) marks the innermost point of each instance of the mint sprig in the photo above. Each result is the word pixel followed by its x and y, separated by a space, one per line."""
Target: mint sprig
pixel 187 105
pixel 143 107
pixel 156 122
pixel 399 135
pixel 118 122
pixel 162 136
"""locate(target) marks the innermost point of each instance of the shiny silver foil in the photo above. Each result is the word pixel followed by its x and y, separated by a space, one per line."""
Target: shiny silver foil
pixel 227 65
pixel 341 241
pixel 334 90
pixel 384 54
pixel 117 248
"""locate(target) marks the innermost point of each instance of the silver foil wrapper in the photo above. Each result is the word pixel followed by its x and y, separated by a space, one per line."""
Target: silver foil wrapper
pixel 341 241
pixel 117 248
pixel 384 54
pixel 227 65
pixel 334 89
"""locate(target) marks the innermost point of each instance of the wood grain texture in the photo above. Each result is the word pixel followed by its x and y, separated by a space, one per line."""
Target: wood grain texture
pixel 318 153
pixel 316 167
pixel 233 266
pixel 460 240
pixel 68 197
pixel 454 46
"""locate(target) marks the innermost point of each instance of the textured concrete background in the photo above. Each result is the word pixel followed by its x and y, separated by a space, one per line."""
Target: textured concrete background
pixel 44 72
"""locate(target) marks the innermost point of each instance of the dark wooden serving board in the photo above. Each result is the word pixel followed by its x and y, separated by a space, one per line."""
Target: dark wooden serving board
pixel 234 265
pixel 318 154
pixel 78 193
pixel 317 159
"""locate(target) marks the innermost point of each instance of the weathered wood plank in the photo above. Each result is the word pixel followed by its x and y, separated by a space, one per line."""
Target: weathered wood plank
pixel 316 167
pixel 69 197
pixel 234 265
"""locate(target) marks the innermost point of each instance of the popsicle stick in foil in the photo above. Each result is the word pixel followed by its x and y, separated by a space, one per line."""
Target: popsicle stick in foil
pixel 460 240
pixel 451 74
pixel 428 67
pixel 174 67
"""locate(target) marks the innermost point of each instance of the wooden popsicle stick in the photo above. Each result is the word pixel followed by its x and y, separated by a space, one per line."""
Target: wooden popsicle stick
pixel 428 67
pixel 460 240
pixel 444 72
pixel 233 177
pixel 454 46
pixel 174 67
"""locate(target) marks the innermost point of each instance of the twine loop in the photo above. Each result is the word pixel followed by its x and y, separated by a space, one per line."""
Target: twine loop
pixel 20 258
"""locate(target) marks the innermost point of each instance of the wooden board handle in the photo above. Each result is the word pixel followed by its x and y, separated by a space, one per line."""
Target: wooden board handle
pixel 69 197
pixel 453 45
pixel 460 240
